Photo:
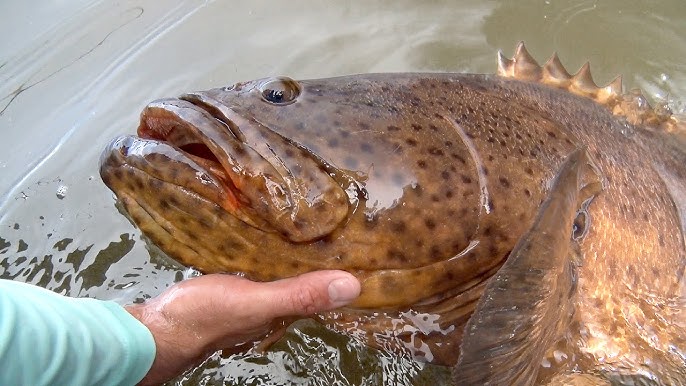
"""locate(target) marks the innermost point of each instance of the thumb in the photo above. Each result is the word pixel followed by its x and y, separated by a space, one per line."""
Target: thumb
pixel 312 292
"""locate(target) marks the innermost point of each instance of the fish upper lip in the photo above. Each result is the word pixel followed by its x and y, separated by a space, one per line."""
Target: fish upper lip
pixel 160 119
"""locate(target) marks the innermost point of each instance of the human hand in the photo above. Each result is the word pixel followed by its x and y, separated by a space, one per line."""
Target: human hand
pixel 198 316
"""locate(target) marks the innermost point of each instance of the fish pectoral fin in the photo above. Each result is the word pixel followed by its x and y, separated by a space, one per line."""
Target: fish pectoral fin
pixel 528 304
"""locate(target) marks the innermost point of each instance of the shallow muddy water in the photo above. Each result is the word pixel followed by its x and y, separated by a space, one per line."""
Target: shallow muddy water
pixel 75 74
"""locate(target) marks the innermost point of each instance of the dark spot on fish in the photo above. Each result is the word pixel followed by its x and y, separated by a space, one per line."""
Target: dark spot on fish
pixel 430 223
pixel 504 182
pixel 295 265
pixel 398 226
pixel 529 171
pixel 333 142
pixel 393 128
pixel 139 183
pixel 466 179
pixel 445 175
pixel 435 151
pixel 527 192
pixel 433 127
pixel 493 249
pixel 416 127
pixel 164 205
pixel 631 271
pixel 411 141
pixel 435 198
pixel 435 252
pixel 661 240
pixel 449 193
pixel 448 143
pixel 204 224
pixel 551 134
pixel 366 147
pixel 459 158
pixel 321 206
pixel 155 184
pixel 363 125
pixel 421 163
pixel 396 255
pixel 351 162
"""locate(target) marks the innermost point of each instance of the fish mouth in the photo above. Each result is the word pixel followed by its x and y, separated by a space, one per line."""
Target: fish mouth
pixel 234 161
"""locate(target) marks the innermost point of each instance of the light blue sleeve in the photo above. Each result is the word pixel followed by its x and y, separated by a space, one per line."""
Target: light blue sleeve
pixel 50 339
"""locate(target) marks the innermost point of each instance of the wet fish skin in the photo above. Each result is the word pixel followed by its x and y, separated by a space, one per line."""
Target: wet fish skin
pixel 442 174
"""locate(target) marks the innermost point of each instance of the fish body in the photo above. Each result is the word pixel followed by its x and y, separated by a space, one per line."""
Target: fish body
pixel 424 186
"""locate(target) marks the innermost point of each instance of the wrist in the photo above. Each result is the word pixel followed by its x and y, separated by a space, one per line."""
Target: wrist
pixel 176 348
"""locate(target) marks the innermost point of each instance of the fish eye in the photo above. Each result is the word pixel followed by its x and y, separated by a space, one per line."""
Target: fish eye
pixel 280 91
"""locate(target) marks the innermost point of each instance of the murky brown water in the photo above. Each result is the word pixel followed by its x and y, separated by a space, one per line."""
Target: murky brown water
pixel 75 74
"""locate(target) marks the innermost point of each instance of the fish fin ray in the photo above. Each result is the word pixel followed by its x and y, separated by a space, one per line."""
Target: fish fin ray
pixel 631 105
pixel 519 315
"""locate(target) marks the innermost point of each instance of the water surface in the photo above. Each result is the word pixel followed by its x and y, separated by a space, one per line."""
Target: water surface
pixel 75 74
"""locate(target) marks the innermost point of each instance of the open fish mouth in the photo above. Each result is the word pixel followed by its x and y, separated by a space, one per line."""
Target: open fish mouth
pixel 206 148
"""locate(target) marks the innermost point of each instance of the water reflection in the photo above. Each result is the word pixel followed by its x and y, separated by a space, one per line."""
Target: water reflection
pixel 79 73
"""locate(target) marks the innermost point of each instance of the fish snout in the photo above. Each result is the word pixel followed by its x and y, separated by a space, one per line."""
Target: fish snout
pixel 271 182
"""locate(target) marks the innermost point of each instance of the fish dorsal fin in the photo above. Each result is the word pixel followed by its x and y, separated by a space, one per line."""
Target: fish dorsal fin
pixel 631 105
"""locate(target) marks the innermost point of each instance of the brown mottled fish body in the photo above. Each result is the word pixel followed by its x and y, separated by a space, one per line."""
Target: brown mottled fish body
pixel 422 185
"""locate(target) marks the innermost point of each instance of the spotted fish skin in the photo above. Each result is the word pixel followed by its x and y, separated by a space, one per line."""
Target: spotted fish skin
pixel 421 185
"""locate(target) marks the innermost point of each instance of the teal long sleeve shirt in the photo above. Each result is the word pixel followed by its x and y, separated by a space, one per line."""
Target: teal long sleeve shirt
pixel 50 339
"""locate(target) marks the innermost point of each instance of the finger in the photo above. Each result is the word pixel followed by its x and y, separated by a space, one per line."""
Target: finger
pixel 311 292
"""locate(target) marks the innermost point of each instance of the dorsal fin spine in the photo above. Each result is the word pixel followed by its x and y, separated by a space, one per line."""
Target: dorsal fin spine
pixel 631 105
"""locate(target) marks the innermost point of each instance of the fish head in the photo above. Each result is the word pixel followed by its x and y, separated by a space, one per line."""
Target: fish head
pixel 275 177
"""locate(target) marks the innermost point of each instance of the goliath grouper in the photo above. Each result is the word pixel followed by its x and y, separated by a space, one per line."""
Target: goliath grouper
pixel 521 227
